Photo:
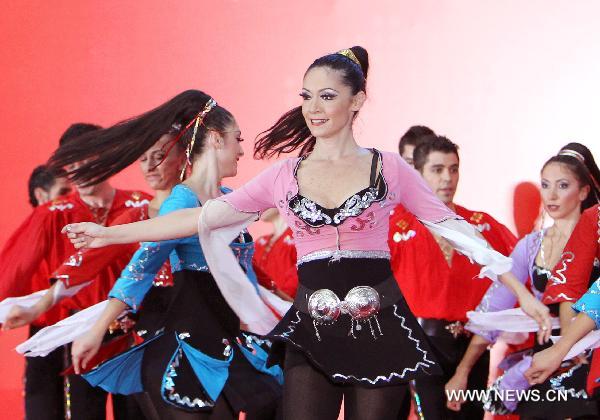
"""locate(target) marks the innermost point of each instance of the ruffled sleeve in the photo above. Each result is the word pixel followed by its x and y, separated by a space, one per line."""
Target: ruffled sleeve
pixel 499 297
pixel 258 194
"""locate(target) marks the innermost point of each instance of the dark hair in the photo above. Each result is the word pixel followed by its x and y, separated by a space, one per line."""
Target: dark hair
pixel 429 144
pixel 587 172
pixel 413 136
pixel 290 132
pixel 41 177
pixel 110 150
pixel 75 130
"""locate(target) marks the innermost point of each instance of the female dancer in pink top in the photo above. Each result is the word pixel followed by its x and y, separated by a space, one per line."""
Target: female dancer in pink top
pixel 349 333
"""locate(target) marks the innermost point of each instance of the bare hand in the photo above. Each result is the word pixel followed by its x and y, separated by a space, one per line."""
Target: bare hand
pixel 544 364
pixel 455 385
pixel 19 316
pixel 540 313
pixel 83 349
pixel 86 235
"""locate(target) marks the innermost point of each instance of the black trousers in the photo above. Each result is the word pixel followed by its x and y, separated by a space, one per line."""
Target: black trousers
pixel 46 390
pixel 44 387
pixel 448 351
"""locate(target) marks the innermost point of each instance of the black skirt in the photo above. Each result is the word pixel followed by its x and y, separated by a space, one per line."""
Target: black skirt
pixel 194 311
pixel 389 349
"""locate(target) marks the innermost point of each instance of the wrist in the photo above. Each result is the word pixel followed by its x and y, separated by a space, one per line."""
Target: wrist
pixel 37 310
pixel 98 331
pixel 562 347
pixel 462 371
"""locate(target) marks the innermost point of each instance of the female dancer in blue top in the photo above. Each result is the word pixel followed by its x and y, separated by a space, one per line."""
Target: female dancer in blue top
pixel 195 362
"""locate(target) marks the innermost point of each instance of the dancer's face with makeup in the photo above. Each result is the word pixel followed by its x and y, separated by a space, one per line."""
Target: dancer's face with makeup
pixel 328 105
pixel 561 192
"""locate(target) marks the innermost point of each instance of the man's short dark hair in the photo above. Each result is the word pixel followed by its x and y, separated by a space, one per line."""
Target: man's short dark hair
pixel 75 130
pixel 431 144
pixel 41 177
pixel 413 136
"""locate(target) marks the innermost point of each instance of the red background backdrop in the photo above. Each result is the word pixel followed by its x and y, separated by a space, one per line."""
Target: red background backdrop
pixel 509 81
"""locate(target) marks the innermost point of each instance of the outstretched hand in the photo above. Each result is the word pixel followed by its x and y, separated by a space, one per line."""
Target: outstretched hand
pixel 83 349
pixel 453 388
pixel 86 235
pixel 540 313
pixel 19 316
pixel 544 364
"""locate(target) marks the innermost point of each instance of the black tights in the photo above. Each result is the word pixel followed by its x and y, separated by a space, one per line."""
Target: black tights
pixel 309 394
pixel 162 411
pixel 156 357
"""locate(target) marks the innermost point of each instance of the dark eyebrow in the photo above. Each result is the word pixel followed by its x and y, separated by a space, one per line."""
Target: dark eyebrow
pixel 321 90
pixel 558 180
pixel 437 166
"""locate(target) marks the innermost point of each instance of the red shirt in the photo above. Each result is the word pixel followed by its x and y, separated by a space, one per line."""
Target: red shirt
pixel 571 275
pixel 37 248
pixel 434 289
pixel 275 266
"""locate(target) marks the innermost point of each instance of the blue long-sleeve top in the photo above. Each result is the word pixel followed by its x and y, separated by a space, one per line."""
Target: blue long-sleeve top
pixel 184 254
pixel 589 303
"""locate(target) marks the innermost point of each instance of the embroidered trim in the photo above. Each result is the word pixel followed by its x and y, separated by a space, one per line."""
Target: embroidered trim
pixel 291 328
pixel 336 255
pixel 424 363
pixel 61 207
pixel 132 203
pixel 557 383
pixel 168 392
pixel 316 215
pixel 566 258
pixel 75 260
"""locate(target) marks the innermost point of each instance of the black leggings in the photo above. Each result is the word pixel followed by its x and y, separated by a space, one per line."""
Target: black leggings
pixel 156 358
pixel 309 394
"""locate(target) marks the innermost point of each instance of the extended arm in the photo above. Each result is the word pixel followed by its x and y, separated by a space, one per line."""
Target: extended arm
pixel 178 224
pixel 86 346
pixel 477 346
pixel 547 361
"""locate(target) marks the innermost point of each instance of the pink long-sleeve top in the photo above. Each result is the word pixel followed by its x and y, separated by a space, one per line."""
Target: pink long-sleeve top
pixel 360 224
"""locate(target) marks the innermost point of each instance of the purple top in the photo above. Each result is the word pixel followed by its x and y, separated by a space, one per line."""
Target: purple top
pixel 499 297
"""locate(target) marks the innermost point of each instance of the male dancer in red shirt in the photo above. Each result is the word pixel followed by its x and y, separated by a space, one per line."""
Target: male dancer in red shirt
pixel 32 253
pixel 441 292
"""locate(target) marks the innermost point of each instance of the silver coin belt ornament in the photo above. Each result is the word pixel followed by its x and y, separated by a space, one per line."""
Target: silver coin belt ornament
pixel 362 303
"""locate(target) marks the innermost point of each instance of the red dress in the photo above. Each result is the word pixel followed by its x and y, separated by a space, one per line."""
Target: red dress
pixel 432 287
pixel 275 266
pixel 37 248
